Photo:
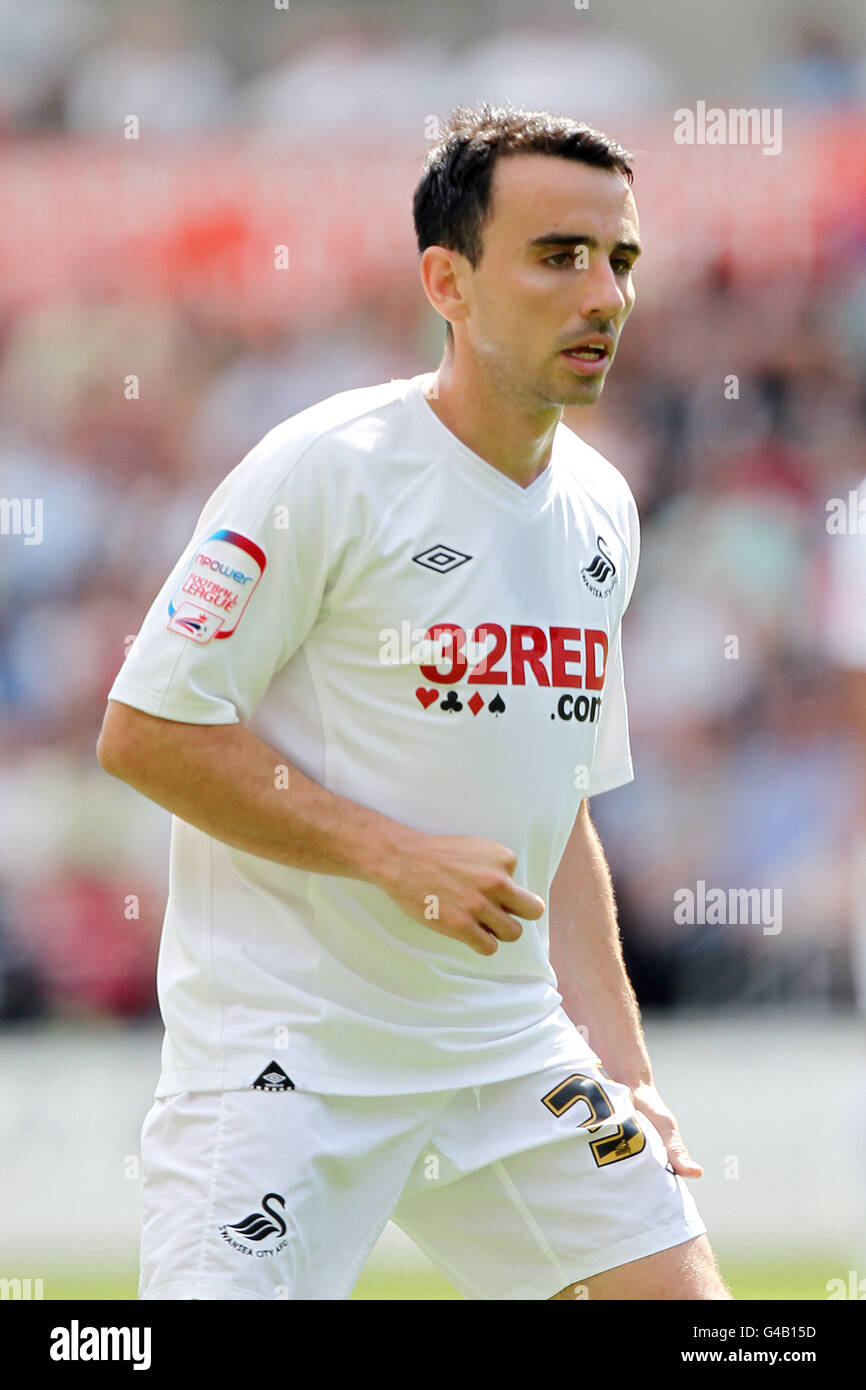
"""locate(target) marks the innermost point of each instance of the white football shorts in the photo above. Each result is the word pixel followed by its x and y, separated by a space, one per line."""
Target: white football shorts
pixel 514 1189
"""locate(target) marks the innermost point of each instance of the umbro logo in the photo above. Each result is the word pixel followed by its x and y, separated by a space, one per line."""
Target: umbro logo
pixel 441 557
pixel 273 1078
pixel 599 575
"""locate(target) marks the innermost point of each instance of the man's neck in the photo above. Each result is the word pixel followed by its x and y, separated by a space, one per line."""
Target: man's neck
pixel 495 425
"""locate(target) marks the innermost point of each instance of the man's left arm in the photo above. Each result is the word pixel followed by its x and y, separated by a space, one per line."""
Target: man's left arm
pixel 586 953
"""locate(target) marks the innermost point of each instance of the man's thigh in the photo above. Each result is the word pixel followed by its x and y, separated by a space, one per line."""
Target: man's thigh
pixel 251 1195
pixel 687 1271
pixel 532 1185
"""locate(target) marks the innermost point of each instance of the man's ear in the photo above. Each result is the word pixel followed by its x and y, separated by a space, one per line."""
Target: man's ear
pixel 443 275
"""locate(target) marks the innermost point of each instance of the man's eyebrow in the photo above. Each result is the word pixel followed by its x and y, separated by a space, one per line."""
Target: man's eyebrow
pixel 579 239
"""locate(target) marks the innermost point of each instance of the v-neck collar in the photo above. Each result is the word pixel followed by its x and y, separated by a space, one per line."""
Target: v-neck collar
pixel 492 480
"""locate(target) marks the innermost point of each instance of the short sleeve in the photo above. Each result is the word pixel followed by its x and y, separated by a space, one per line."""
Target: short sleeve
pixel 242 597
pixel 612 762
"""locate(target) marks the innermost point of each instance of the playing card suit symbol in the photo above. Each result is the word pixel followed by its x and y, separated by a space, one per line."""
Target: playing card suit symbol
pixel 426 696
pixel 497 705
pixel 451 702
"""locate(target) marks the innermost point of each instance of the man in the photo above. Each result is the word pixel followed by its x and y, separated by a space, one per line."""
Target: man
pixel 376 692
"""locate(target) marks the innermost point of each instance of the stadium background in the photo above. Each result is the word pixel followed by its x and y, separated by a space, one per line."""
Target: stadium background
pixel 150 163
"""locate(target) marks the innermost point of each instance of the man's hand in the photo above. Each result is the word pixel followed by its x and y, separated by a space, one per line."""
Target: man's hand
pixel 467 883
pixel 647 1100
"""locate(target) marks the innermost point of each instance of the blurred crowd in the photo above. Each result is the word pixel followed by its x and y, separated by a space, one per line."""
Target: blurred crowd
pixel 736 411
pixel 80 66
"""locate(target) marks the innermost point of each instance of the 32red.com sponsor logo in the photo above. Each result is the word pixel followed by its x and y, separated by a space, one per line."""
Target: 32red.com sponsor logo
pixel 569 657
pixel 564 658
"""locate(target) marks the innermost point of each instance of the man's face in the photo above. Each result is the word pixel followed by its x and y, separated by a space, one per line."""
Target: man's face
pixel 555 276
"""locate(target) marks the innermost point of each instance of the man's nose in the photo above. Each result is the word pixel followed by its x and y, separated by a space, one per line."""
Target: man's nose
pixel 601 296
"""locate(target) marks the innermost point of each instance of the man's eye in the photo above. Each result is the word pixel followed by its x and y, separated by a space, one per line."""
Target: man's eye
pixel 622 267
pixel 562 257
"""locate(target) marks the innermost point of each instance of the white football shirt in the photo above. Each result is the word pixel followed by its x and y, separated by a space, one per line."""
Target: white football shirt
pixel 311 605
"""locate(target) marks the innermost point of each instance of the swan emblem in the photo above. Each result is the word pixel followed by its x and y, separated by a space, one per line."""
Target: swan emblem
pixel 257 1226
pixel 601 566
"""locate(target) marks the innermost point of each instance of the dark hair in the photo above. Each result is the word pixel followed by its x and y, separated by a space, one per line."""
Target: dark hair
pixel 452 198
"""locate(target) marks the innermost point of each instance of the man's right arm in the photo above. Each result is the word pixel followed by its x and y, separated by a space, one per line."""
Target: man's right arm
pixel 226 781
